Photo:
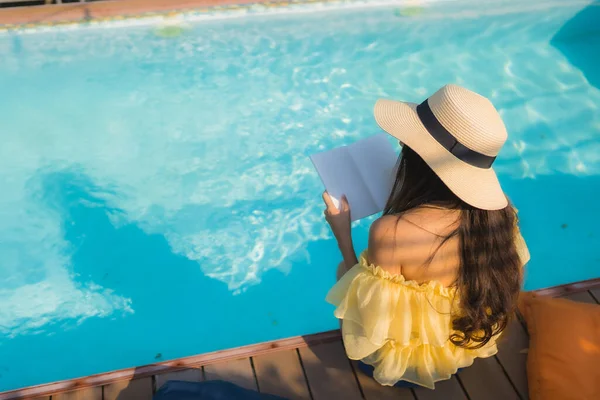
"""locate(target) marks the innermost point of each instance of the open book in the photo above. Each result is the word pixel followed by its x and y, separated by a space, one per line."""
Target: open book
pixel 364 171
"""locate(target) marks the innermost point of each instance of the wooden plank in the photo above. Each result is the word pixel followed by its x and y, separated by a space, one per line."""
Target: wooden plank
pixel 136 389
pixel 562 290
pixel 374 391
pixel 485 379
pixel 513 356
pixel 93 393
pixel 582 297
pixel 189 375
pixel 281 374
pixel 238 372
pixel 596 294
pixel 329 373
pixel 444 390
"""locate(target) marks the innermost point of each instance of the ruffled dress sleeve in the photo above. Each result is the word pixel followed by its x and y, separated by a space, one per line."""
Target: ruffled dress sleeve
pixel 520 244
pixel 522 249
pixel 400 327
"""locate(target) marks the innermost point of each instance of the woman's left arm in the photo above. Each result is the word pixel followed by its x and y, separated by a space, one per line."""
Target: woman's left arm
pixel 339 221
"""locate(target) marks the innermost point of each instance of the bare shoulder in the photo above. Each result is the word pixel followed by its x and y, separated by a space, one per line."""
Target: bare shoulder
pixel 383 226
pixel 389 238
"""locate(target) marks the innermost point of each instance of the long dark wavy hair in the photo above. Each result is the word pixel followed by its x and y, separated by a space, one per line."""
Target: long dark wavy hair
pixel 489 276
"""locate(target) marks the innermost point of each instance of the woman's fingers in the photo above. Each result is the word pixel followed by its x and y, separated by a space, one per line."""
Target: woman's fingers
pixel 331 208
pixel 329 203
pixel 344 205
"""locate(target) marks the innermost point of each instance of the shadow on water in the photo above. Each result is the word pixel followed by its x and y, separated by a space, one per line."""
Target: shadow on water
pixel 131 262
pixel 579 41
pixel 177 310
pixel 173 302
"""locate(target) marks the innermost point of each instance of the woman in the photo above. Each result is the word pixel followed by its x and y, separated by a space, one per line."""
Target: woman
pixel 443 270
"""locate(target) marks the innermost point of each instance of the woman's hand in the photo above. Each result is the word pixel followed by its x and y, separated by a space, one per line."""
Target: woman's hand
pixel 338 219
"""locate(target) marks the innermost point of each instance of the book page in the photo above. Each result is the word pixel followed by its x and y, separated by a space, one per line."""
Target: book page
pixel 341 176
pixel 376 161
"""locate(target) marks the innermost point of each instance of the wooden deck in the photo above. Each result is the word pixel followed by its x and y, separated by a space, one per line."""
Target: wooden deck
pixel 322 372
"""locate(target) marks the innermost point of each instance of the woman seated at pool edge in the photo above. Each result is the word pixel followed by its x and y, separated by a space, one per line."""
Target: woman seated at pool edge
pixel 444 266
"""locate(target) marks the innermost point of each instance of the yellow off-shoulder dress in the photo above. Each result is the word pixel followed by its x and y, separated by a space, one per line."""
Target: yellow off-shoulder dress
pixel 400 327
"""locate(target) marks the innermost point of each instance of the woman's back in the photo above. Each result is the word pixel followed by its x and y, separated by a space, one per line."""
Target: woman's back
pixel 412 245
pixel 399 302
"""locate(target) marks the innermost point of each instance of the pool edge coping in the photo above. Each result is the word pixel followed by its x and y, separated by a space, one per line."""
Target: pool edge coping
pixel 33 18
pixel 252 350
pixel 48 16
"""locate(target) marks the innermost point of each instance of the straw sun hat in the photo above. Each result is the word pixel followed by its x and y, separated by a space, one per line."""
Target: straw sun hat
pixel 459 134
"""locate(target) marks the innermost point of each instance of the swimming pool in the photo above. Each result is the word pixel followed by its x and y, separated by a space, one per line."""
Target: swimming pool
pixel 156 196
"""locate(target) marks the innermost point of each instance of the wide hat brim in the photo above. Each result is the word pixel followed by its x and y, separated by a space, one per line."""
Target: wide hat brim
pixel 478 187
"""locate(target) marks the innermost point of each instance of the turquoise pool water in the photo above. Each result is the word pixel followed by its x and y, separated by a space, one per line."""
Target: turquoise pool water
pixel 156 196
